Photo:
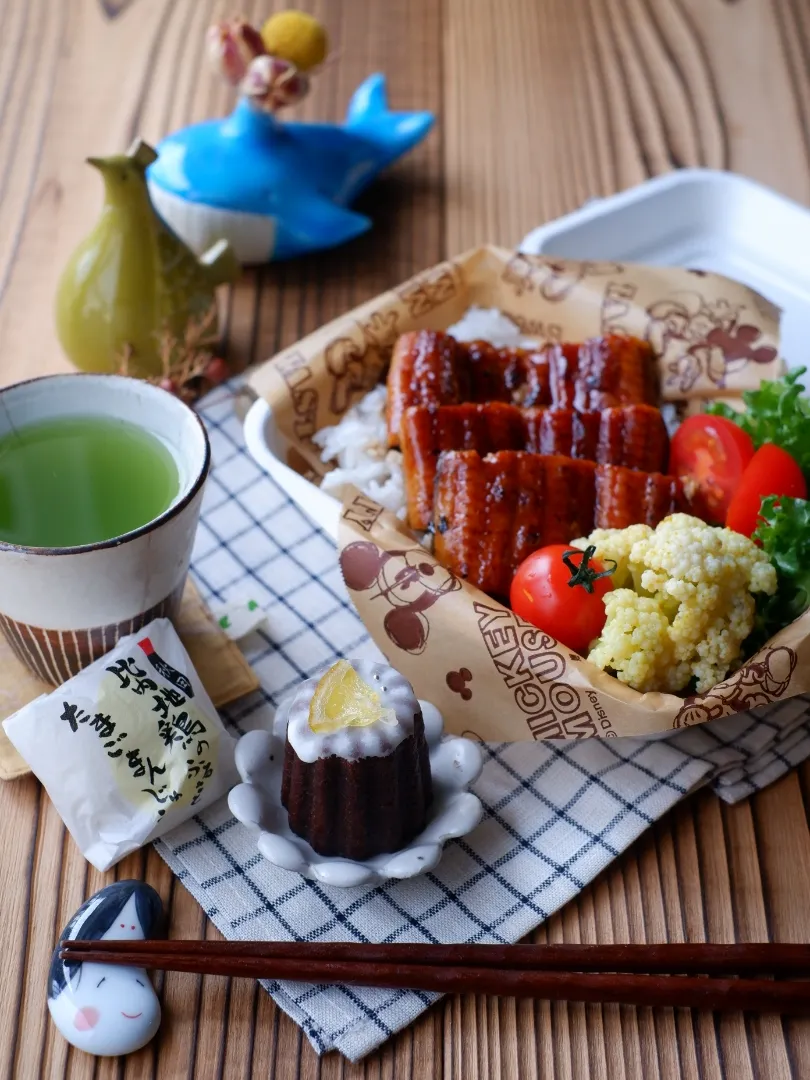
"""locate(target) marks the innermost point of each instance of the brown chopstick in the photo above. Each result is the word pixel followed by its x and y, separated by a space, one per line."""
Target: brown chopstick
pixel 418 967
pixel 676 991
pixel 695 958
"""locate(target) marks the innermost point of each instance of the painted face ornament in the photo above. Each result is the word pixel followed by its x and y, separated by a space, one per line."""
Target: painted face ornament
pixel 99 1008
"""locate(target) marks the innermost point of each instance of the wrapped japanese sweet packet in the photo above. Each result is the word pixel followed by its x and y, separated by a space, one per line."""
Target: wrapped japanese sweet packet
pixel 489 672
pixel 129 747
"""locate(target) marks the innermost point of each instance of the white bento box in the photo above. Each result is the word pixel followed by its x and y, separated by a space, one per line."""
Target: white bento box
pixel 697 218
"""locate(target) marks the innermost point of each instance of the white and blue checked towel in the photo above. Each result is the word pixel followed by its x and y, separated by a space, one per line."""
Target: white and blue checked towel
pixel 555 813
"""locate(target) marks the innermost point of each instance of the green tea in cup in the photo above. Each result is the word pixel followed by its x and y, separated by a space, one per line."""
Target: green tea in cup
pixel 101 481
pixel 68 481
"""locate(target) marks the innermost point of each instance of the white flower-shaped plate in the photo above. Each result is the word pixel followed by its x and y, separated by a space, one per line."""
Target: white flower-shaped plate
pixel 454 764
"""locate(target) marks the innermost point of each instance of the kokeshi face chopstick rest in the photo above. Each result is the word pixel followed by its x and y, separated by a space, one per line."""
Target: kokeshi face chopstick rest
pixel 99 1008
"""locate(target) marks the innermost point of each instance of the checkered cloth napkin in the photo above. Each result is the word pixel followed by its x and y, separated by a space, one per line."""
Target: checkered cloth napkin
pixel 556 813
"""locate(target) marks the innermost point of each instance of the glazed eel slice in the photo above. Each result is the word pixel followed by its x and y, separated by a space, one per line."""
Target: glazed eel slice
pixel 427 432
pixel 428 367
pixel 492 511
pixel 627 497
pixel 633 435
pixel 603 372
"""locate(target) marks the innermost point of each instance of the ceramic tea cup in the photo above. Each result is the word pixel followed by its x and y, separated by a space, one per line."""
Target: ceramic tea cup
pixel 63 607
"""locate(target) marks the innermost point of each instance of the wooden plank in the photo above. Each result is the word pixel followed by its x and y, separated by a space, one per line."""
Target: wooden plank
pixel 53 197
pixel 542 103
pixel 605 94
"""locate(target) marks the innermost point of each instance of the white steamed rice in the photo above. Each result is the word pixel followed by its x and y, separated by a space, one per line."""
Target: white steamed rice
pixel 358 443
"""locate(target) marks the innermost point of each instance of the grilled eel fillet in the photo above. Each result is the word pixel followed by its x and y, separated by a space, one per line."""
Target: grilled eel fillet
pixel 491 512
pixel 426 432
pixel 631 435
pixel 429 367
pixel 602 373
pixel 626 497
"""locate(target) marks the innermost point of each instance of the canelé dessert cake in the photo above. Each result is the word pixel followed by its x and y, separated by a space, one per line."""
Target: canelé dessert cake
pixel 356 779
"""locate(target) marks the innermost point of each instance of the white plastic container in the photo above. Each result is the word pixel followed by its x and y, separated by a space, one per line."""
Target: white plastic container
pixel 698 218
pixel 705 220
pixel 267 446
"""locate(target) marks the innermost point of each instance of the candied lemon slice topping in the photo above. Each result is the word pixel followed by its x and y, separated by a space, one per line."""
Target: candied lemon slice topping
pixel 342 700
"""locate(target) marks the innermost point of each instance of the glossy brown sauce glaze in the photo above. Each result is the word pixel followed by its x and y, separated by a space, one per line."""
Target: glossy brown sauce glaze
pixel 428 367
pixel 626 497
pixel 632 435
pixel 492 511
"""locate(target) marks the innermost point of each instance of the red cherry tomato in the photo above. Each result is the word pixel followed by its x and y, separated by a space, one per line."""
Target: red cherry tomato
pixel 543 595
pixel 772 471
pixel 712 453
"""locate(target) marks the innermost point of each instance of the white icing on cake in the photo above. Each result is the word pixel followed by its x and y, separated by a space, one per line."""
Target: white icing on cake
pixel 353 743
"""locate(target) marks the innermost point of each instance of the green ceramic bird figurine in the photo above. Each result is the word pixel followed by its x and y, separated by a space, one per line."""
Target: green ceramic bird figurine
pixel 132 284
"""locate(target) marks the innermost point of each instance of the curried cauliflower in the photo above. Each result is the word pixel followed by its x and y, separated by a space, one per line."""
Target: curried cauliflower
pixel 616 544
pixel 689 606
pixel 636 643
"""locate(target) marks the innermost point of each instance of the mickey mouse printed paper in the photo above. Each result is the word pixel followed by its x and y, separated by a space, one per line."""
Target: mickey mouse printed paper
pixel 495 676
pixel 487 671
pixel 714 337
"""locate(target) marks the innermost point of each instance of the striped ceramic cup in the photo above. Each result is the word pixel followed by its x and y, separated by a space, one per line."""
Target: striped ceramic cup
pixel 62 608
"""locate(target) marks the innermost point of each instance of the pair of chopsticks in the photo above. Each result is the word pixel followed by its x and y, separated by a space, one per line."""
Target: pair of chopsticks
pixel 694 976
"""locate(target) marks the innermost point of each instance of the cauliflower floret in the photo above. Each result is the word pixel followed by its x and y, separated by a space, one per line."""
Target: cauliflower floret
pixel 635 643
pixel 698 608
pixel 684 548
pixel 616 544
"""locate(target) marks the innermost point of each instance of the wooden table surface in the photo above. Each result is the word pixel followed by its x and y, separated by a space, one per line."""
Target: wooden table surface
pixel 541 104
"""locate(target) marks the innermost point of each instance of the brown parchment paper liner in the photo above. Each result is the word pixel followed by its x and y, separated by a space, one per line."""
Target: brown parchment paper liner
pixel 488 671
pixel 495 675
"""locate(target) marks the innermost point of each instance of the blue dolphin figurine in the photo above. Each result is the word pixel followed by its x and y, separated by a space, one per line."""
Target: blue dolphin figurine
pixel 273 189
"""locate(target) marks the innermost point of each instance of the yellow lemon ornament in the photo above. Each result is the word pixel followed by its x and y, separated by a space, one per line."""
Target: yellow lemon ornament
pixel 343 700
pixel 297 37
